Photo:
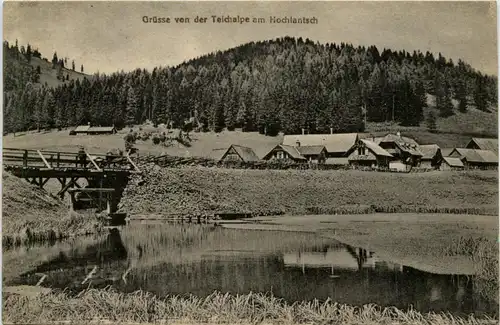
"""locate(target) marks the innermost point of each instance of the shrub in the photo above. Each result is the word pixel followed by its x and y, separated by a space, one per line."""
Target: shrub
pixel 156 139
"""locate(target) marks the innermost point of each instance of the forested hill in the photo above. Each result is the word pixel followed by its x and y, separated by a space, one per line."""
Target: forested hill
pixel 285 85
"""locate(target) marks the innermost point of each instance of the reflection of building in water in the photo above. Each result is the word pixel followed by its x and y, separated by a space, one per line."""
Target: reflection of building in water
pixel 345 258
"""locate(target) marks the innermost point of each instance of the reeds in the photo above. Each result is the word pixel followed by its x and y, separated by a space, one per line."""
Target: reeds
pixel 484 254
pixel 141 307
pixel 26 232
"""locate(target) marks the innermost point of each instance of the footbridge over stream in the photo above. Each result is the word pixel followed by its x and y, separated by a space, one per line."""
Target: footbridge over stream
pixel 106 175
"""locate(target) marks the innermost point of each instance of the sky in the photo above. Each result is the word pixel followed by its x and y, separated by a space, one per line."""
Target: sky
pixel 111 36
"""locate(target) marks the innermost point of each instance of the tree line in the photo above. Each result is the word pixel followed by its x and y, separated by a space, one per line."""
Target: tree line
pixel 287 84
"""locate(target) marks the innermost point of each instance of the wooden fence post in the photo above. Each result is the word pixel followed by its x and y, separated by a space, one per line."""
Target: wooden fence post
pixel 25 158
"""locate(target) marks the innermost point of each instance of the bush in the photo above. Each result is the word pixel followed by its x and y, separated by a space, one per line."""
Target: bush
pixel 156 139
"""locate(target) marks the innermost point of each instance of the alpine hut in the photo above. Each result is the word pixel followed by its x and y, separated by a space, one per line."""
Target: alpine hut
pixel 235 153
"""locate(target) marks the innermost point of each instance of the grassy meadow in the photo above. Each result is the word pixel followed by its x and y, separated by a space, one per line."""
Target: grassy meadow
pixel 197 190
pixel 203 143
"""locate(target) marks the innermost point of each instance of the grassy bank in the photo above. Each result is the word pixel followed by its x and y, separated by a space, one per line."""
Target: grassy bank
pixel 194 190
pixel 141 307
pixel 30 214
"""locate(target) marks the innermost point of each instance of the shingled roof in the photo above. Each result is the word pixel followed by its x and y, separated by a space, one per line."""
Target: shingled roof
pixel 310 150
pixel 292 151
pixel 375 148
pixel 404 143
pixel 429 151
pixel 477 156
pixel 245 153
pixel 337 142
pixel 82 128
pixel 484 144
pixel 453 162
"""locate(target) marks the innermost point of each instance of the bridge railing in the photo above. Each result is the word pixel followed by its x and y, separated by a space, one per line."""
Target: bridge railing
pixel 30 158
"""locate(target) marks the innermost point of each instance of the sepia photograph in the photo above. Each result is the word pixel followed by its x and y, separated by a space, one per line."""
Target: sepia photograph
pixel 250 162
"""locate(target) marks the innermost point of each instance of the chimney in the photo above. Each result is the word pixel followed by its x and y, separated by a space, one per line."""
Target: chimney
pixel 88 123
pixel 398 134
pixel 297 143
pixel 331 130
pixel 303 131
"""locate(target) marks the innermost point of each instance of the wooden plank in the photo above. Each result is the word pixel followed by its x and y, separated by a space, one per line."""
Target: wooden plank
pixel 132 163
pixel 44 160
pixel 92 160
pixel 88 189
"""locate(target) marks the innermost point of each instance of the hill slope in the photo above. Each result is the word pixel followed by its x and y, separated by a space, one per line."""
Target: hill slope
pixel 284 85
pixel 30 214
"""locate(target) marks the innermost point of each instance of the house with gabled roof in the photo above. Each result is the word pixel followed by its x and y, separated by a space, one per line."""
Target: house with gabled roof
pixel 431 156
pixel 285 153
pixel 451 163
pixel 235 153
pixel 483 144
pixel 476 159
pixel 336 144
pixel 405 151
pixel 369 154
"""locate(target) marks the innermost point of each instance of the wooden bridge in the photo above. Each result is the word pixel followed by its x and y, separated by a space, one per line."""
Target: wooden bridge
pixel 106 175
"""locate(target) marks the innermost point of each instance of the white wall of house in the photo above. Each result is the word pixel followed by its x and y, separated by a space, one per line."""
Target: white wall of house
pixel 398 165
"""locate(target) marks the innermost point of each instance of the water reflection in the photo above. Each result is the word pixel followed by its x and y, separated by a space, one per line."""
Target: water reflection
pixel 195 260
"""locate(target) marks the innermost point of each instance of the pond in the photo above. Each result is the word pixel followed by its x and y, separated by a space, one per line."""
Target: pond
pixel 201 259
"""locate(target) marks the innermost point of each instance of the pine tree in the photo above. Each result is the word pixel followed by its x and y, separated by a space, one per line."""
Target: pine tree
pixel 73 65
pixel 54 60
pixel 132 106
pixel 431 122
pixel 480 94
pixel 81 69
pixel 461 96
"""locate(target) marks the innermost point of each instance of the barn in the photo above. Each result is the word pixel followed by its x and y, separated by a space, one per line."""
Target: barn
pixel 431 156
pixel 483 144
pixel 451 163
pixel 476 159
pixel 95 130
pixel 81 129
pixel 235 153
pixel 287 153
pixel 368 154
pixel 336 144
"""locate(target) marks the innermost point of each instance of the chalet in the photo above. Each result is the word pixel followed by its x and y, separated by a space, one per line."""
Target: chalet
pixel 405 151
pixel 313 154
pixel 235 153
pixel 483 144
pixel 368 154
pixel 336 144
pixel 282 152
pixel 95 130
pixel 476 159
pixel 431 156
pixel 450 163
